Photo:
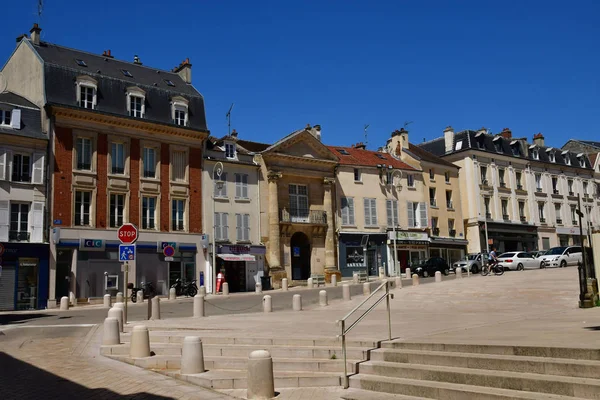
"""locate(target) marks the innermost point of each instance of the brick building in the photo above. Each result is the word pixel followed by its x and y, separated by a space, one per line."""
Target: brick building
pixel 125 146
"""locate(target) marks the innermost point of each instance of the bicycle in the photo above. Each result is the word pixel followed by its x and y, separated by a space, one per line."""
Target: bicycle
pixel 495 267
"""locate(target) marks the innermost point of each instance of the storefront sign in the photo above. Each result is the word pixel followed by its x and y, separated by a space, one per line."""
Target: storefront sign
pixel 408 246
pixel 160 246
pixel 409 237
pixel 91 244
pixel 570 231
pixel 355 255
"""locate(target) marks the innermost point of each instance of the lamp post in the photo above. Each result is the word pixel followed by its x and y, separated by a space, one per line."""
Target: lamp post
pixel 394 214
pixel 217 171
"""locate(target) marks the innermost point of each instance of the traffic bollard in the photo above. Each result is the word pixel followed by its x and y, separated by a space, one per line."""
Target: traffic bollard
pixel 346 292
pixel 119 298
pixel 111 335
pixel 225 289
pixel 140 296
pixel 415 279
pixel 398 282
pixel 106 301
pixel 172 294
pixel 458 273
pixel 258 287
pixel 438 276
pixel 155 308
pixel 333 280
pixel 366 288
pixel 198 306
pixel 64 303
pixel 202 291
pixel 297 302
pixel 408 273
pixel 284 284
pixel 355 278
pixel 140 342
pixel 267 305
pixel 117 313
pixel 261 383
pixel 192 356
pixel 309 283
pixel 323 298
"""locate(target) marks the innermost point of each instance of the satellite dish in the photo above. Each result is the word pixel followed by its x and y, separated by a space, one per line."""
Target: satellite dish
pixel 3 83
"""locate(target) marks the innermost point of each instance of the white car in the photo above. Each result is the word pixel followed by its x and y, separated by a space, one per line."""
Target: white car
pixel 561 257
pixel 517 260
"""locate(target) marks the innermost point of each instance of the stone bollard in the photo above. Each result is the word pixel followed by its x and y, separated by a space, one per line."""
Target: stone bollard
pixel 140 342
pixel 438 276
pixel 309 283
pixel 355 278
pixel 323 298
pixel 155 308
pixel 107 301
pixel 111 334
pixel 225 289
pixel 192 356
pixel 398 282
pixel 72 299
pixel 366 288
pixel 172 294
pixel 117 313
pixel 333 280
pixel 202 291
pixel 297 302
pixel 140 296
pixel 284 284
pixel 458 272
pixel 198 306
pixel 64 303
pixel 381 272
pixel 415 279
pixel 267 304
pixel 261 384
pixel 119 298
pixel 408 273
pixel 346 292
pixel 258 288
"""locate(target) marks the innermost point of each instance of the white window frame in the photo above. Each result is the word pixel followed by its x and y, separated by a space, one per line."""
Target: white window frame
pixel 391 208
pixel 447 177
pixel 347 209
pixel 180 210
pixel 483 173
pixel 156 155
pixel 431 174
pixel 185 160
pixel 87 82
pixel 522 210
pixel 242 227
pixel 135 92
pixel 146 215
pixel 541 211
pixel 432 199
pixel 538 181
pixel 558 211
pixel 241 186
pixel 582 162
pixel 299 213
pixel 79 152
pixel 417 214
pixel 114 160
pixel 14 166
pixel 82 208
pixel 221 223
pixel 552 157
pixel 410 180
pixel 20 216
pixel 230 150
pixel 115 223
pixel 535 154
pixel 370 204
pixel 3 117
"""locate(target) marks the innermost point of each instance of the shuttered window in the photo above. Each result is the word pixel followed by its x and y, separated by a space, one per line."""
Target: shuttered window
pixel 370 206
pixel 417 214
pixel 221 226
pixel 178 165
pixel 220 184
pixel 392 212
pixel 242 227
pixel 347 211
pixel 241 186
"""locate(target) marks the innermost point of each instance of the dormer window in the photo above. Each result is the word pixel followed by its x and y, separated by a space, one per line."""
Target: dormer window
pixel 86 92
pixel 535 153
pixel 136 99
pixel 567 160
pixel 179 111
pixel 552 156
pixel 516 149
pixel 230 150
pixel 582 162
pixel 5 117
pixel 498 144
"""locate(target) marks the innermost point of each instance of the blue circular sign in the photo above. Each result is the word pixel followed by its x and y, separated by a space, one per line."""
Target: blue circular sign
pixel 169 251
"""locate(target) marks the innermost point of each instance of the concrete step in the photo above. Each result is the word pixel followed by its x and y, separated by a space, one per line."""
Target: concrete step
pixel 537 365
pixel 359 394
pixel 443 390
pixel 547 384
pixel 530 351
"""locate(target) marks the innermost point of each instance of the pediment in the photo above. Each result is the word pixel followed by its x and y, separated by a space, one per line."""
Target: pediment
pixel 303 144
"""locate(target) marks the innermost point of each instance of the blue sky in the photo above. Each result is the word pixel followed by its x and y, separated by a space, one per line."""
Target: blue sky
pixel 532 66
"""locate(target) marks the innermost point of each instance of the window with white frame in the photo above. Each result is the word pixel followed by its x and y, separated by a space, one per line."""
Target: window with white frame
pixel 357 177
pixel 504 205
pixel 501 173
pixel 179 110
pixel 220 185
pixel 522 214
pixel 432 199
pixel 241 186
pixel 299 206
pixel 541 212
pixel 87 96
pixel 83 205
pixel 570 186
pixel 535 153
pixel 447 177
pixel 117 158
pixel 486 206
pixel 558 212
pixel 483 173
pixel 574 214
pixel 431 174
pixel 178 165
pixel 84 153
pixel 518 179
pixel 149 212
pixel 19 220
pixel 221 226
pixel 417 214
pixel 585 189
pixel 149 160
pixel 242 227
pixel 582 162
pixel 117 208
pixel 451 229
pixel 434 224
pixel 449 199
pixel 370 206
pixel 555 185
pixel 136 99
pixel 538 182
pixel 5 117
pixel 410 181
pixel 552 157
pixel 177 214
pixel 230 150
pixel 348 211
pixel 391 207
pixel 21 168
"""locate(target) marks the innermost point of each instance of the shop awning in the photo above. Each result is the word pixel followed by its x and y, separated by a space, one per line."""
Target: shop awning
pixel 450 241
pixel 237 257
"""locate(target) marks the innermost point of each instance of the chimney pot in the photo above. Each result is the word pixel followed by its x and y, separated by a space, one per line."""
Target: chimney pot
pixel 307 126
pixel 234 133
pixel 35 34
pixel 506 133
pixel 538 139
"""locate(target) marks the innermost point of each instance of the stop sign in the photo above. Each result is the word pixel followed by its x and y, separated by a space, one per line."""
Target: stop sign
pixel 127 233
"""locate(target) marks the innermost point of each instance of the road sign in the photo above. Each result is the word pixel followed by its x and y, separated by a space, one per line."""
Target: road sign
pixel 168 251
pixel 169 258
pixel 127 233
pixel 126 252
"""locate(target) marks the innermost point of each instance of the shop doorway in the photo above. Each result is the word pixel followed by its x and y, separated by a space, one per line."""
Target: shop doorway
pixel 63 271
pixel 181 270
pixel 300 247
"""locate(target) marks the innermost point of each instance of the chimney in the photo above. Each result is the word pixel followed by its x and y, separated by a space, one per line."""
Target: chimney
pixel 449 139
pixel 35 34
pixel 398 140
pixel 506 133
pixel 360 146
pixel 136 60
pixel 234 134
pixel 184 70
pixel 538 139
pixel 106 53
pixel 316 131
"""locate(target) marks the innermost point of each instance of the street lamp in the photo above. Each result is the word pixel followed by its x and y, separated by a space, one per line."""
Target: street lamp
pixel 398 186
pixel 217 171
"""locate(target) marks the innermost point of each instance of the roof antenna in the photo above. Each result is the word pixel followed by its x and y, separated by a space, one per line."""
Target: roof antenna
pixel 228 116
pixel 407 123
pixel 366 141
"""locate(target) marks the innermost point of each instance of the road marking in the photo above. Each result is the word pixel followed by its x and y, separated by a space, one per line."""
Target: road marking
pixel 48 326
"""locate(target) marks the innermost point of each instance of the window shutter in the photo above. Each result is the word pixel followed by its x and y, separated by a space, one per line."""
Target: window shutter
pixel 367 213
pixel 423 212
pixel 3 164
pixel 238 227
pixel 388 206
pixel 225 226
pixel 4 220
pixel 38 169
pixel 344 208
pixel 373 212
pixel 350 211
pixel 224 179
pixel 37 222
pixel 217 224
pixel 238 186
pixel 9 165
pixel 411 214
pixel 246 227
pixel 15 119
pixel 245 186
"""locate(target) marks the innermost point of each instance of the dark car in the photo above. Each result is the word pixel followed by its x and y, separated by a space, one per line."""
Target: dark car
pixel 429 267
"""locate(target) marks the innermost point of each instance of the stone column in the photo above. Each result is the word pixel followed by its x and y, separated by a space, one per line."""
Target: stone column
pixel 275 268
pixel 330 265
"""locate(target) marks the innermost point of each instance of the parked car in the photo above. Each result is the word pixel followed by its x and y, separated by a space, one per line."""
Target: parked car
pixel 472 262
pixel 430 266
pixel 561 257
pixel 517 260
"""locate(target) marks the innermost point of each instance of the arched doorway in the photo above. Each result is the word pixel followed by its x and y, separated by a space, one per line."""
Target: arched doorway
pixel 300 248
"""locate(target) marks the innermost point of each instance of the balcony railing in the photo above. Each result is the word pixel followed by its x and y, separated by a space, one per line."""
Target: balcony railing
pixel 505 217
pixel 432 202
pixel 586 195
pixel 556 191
pixel 519 187
pixel 539 190
pixel 523 218
pixel 449 204
pixel 488 215
pixel 302 216
pixel 16 236
pixel 574 222
pixel 452 232
pixel 543 220
pixel 502 184
pixel 571 193
pixel 436 231
pixel 559 221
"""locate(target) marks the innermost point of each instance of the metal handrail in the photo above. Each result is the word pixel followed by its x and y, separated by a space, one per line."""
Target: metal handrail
pixel 342 322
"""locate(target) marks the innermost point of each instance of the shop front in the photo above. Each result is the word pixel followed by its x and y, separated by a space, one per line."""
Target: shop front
pixel 23 276
pixel 243 265
pixel 570 236
pixel 449 249
pixel 508 237
pixel 412 248
pixel 362 251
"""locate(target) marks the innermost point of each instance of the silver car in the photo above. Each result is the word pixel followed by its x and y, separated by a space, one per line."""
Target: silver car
pixel 472 262
pixel 517 260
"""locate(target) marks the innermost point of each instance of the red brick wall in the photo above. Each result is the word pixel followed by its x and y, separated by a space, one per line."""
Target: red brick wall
pixel 134 173
pixel 63 175
pixel 165 185
pixel 101 184
pixel 195 208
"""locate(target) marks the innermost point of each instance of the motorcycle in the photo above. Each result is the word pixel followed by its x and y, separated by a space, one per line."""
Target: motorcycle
pixel 185 288
pixel 146 288
pixel 191 288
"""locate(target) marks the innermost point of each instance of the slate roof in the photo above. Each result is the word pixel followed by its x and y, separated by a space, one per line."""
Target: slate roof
pixel 497 144
pixel 367 158
pixel 61 70
pixel 591 143
pixel 254 147
pixel 31 119
pixel 429 157
pixel 592 158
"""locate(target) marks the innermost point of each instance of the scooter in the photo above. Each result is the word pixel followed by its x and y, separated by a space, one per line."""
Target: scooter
pixel 185 288
pixel 146 288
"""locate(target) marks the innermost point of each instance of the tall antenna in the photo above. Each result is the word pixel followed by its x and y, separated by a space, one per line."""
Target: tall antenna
pixel 407 123
pixel 366 141
pixel 40 9
pixel 228 116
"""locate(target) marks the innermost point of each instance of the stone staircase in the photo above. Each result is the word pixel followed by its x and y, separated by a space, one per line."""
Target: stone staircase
pixel 407 370
pixel 296 362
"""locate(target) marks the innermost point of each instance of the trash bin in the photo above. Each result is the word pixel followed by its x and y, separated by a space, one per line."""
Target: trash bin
pixel 265 281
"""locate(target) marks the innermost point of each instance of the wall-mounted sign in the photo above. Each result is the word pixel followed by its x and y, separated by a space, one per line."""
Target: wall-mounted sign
pixel 295 251
pixel 355 256
pixel 160 246
pixel 91 244
pixel 57 222
pixel 409 236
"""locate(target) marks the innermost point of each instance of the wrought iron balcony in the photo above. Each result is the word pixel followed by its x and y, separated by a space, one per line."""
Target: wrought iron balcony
pixel 519 187
pixel 543 220
pixel 16 236
pixel 432 202
pixel 452 232
pixel 449 204
pixel 559 221
pixel 488 215
pixel 502 184
pixel 436 231
pixel 539 190
pixel 556 191
pixel 302 216
pixel 571 193
pixel 505 217
pixel 523 218
pixel 575 222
